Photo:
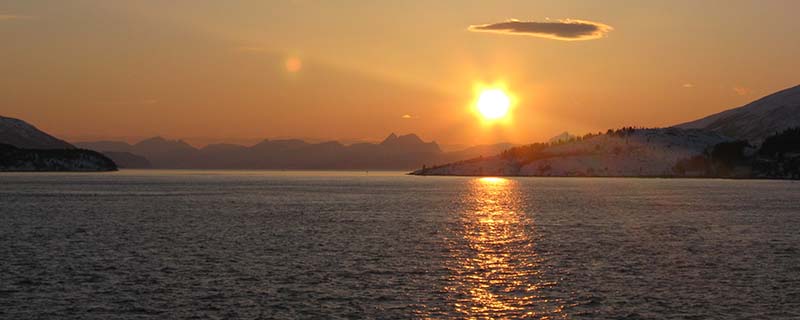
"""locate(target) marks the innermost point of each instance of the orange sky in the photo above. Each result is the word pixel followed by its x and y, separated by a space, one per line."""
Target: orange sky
pixel 241 71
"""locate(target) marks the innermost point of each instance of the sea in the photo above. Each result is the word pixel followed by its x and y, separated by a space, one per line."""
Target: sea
pixel 149 244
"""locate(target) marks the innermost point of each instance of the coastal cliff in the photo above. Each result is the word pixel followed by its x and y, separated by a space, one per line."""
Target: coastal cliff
pixel 27 160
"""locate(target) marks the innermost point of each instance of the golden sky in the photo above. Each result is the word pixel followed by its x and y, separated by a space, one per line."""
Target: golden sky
pixel 242 71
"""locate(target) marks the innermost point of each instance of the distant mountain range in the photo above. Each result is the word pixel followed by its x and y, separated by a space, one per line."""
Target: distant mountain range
pixel 738 143
pixel 23 147
pixel 394 153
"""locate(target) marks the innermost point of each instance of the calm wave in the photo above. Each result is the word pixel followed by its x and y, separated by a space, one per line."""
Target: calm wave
pixel 183 244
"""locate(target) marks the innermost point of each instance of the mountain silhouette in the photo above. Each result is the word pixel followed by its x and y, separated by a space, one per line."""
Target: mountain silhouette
pixel 162 152
pixel 410 143
pixel 393 153
pixel 127 160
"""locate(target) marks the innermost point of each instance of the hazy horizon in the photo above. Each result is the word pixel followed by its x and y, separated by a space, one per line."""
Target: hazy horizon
pixel 200 142
pixel 239 71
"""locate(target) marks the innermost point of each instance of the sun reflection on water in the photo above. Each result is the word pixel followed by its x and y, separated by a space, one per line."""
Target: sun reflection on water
pixel 494 265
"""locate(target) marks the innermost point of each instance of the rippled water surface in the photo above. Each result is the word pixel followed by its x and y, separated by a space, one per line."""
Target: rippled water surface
pixel 161 244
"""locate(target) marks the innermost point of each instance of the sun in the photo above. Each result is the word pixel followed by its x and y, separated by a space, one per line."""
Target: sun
pixel 493 104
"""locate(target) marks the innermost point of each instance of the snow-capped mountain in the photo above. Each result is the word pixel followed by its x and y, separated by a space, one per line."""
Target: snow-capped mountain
pixel 756 120
pixel 21 134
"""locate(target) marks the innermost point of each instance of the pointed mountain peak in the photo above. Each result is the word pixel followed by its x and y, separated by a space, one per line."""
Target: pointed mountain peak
pixel 391 137
pixel 411 138
pixel 409 142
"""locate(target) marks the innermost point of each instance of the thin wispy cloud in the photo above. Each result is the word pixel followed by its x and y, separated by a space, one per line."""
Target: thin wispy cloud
pixel 136 102
pixel 8 17
pixel 742 91
pixel 251 49
pixel 565 29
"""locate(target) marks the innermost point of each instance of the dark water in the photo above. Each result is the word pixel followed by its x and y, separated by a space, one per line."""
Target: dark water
pixel 142 244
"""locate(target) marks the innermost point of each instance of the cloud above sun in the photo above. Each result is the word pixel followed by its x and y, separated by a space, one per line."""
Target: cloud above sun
pixel 565 29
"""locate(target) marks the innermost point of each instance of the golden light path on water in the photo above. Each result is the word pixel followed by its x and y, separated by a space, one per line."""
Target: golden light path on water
pixel 496 271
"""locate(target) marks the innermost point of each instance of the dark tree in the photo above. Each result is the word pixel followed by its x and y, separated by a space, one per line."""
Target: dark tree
pixel 785 142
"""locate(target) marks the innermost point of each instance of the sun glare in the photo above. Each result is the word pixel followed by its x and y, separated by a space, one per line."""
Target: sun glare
pixel 493 104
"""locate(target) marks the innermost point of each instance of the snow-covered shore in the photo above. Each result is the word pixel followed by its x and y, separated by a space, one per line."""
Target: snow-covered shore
pixel 632 153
